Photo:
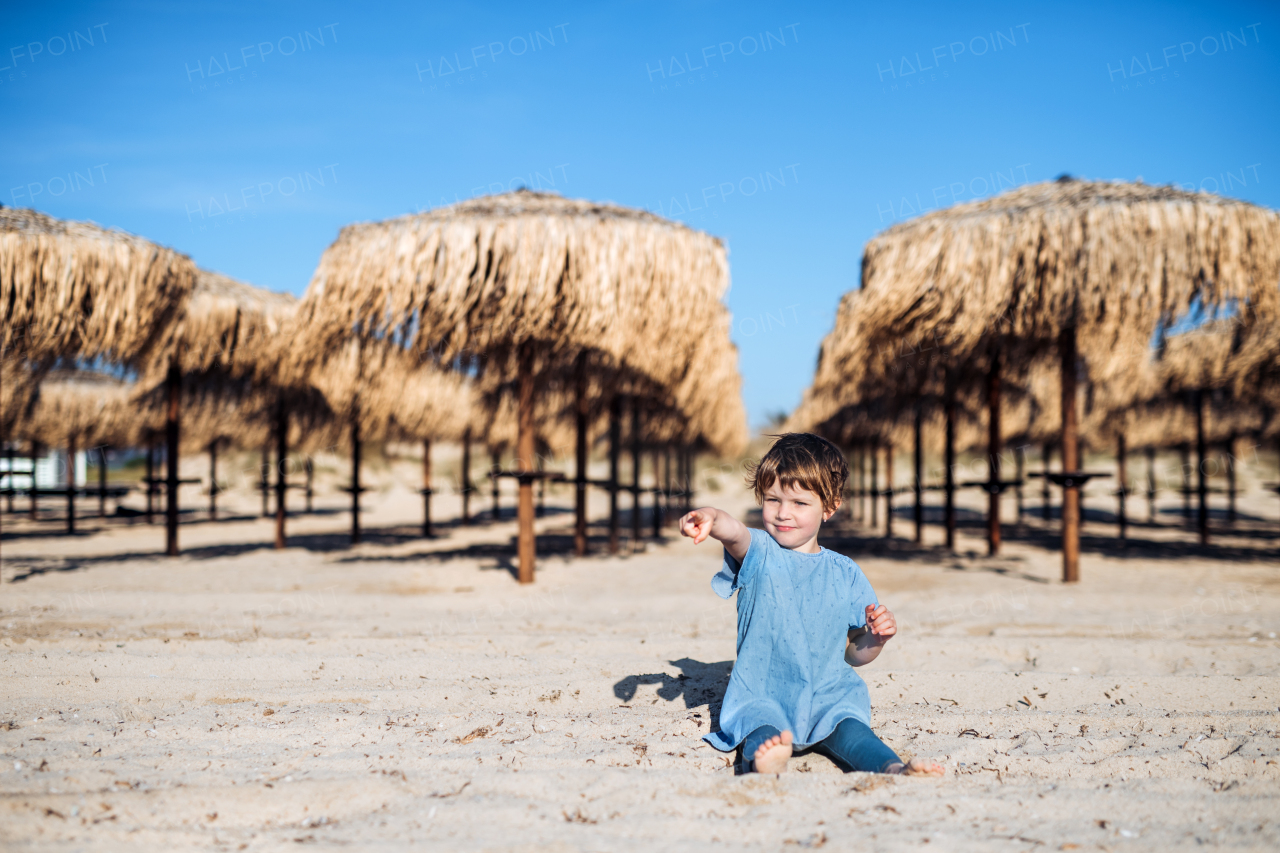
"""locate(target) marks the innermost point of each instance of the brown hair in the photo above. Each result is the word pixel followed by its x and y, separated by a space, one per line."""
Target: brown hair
pixel 804 461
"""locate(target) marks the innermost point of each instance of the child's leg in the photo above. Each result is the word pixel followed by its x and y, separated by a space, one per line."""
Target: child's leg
pixel 855 747
pixel 766 750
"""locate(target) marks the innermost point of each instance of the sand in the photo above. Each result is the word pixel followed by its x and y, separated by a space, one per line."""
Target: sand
pixel 407 693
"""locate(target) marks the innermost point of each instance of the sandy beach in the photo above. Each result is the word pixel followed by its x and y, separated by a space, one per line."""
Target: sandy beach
pixel 407 693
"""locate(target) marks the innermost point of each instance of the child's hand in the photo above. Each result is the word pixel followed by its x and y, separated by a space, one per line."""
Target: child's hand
pixel 880 623
pixel 697 524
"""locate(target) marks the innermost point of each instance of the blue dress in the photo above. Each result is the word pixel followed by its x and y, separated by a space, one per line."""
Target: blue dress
pixel 794 614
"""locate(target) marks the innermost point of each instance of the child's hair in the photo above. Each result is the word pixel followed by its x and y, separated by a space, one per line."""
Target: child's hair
pixel 805 461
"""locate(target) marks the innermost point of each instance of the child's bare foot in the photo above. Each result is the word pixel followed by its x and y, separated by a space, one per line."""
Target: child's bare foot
pixel 772 755
pixel 918 767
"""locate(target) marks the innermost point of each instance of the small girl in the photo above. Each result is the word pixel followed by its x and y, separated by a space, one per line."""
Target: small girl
pixel 805 616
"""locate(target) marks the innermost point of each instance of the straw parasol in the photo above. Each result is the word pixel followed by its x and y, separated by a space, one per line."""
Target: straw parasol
pixel 77 290
pixel 532 286
pixel 229 340
pixel 83 409
pixel 1060 267
pixel 384 393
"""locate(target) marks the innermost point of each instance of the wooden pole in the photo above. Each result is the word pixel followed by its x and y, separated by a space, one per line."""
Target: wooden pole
pixel 495 466
pixel 264 484
pixel 1151 485
pixel 355 477
pixel 949 463
pixel 1020 456
pixel 282 455
pixel 174 382
pixel 918 462
pixel 615 439
pixel 309 466
pixel 993 453
pixel 862 482
pixel 466 476
pixel 636 465
pixel 1231 479
pixel 1184 454
pixel 657 495
pixel 874 485
pixel 667 486
pixel 693 476
pixel 582 412
pixel 1121 493
pixel 13 483
pixel 1202 481
pixel 102 481
pixel 213 480
pixel 151 481
pixel 888 489
pixel 71 484
pixel 1070 459
pixel 526 546
pixel 426 488
pixel 1046 508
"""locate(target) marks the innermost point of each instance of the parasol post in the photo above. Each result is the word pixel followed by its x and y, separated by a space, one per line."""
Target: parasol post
pixel 862 482
pixel 466 476
pixel 657 496
pixel 71 484
pixel 582 411
pixel 1020 458
pixel 615 438
pixel 667 487
pixel 426 487
pixel 151 482
pixel 693 474
pixel 918 462
pixel 1151 485
pixel 993 452
pixel 1122 492
pixel 102 481
pixel 888 489
pixel 1070 459
pixel 355 476
pixel 1184 454
pixel 282 451
pixel 174 383
pixel 264 479
pixel 13 488
pixel 33 494
pixel 526 546
pixel 1046 509
pixel 309 466
pixel 949 463
pixel 1231 478
pixel 1202 484
pixel 636 464
pixel 875 481
pixel 213 480
pixel 495 467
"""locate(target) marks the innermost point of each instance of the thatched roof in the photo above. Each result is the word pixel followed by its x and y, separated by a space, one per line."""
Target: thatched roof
pixel 76 290
pixel 229 326
pixel 1115 261
pixel 395 396
pixel 493 272
pixel 477 279
pixel 93 408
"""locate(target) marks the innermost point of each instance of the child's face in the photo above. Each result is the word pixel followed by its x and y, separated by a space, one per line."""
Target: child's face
pixel 793 516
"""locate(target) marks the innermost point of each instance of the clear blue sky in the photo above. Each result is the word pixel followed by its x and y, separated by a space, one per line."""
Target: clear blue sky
pixel 247 134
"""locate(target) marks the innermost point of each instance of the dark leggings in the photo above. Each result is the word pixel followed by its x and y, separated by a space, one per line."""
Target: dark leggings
pixel 852 746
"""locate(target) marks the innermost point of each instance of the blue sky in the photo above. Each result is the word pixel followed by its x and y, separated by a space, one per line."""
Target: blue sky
pixel 247 134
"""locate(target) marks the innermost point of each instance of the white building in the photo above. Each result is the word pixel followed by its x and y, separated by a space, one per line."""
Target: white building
pixel 51 470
